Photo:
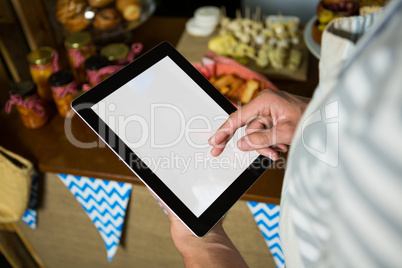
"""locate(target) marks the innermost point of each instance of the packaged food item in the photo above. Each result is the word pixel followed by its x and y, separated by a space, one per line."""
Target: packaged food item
pixel 42 63
pixel 121 54
pixel 32 109
pixel 64 89
pixel 98 70
pixel 93 65
pixel 79 47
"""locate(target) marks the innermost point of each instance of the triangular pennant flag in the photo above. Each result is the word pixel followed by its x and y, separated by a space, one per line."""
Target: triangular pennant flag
pixel 105 202
pixel 29 216
pixel 161 206
pixel 267 218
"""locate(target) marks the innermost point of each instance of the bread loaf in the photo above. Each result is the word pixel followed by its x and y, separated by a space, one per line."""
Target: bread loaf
pixel 130 9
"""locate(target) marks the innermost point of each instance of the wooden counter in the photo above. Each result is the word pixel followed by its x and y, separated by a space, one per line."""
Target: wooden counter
pixel 51 150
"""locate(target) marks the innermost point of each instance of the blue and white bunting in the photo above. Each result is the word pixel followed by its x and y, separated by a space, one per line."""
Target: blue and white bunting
pixel 29 216
pixel 164 210
pixel 267 218
pixel 105 202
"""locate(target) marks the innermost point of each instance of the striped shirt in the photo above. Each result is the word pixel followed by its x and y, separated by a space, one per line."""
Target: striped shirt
pixel 341 203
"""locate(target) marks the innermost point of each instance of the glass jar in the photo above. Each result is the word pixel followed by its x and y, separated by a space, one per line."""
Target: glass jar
pixel 64 89
pixel 116 53
pixel 31 108
pixel 93 65
pixel 121 54
pixel 79 47
pixel 42 63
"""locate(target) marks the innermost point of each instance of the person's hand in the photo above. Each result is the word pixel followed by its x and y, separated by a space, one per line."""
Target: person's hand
pixel 271 119
pixel 185 241
pixel 215 249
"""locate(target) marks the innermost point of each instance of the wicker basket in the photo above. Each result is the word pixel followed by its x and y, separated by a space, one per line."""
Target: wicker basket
pixel 15 184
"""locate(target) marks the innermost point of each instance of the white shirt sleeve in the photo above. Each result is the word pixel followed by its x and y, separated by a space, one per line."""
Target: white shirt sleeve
pixel 343 188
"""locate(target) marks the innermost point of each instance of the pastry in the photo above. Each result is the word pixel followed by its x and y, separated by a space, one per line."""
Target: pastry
pixel 77 23
pixel 100 3
pixel 130 9
pixel 66 9
pixel 107 18
pixel 223 81
pixel 232 87
pixel 237 83
pixel 250 87
pixel 237 89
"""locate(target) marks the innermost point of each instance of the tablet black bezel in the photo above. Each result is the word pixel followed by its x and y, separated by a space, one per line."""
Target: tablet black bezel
pixel 82 106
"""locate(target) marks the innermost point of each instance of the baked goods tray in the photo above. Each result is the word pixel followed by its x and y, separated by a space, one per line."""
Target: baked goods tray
pixel 195 48
pixel 147 9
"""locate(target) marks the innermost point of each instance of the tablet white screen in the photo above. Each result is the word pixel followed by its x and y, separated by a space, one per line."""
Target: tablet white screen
pixel 166 119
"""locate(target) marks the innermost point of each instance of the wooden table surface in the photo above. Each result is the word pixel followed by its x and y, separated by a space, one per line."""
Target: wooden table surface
pixel 51 148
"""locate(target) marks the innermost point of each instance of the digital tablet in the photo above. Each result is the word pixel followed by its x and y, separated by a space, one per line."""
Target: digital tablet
pixel 157 114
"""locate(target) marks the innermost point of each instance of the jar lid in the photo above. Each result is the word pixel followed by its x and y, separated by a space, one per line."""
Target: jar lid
pixel 24 88
pixel 96 62
pixel 61 78
pixel 116 51
pixel 78 39
pixel 40 55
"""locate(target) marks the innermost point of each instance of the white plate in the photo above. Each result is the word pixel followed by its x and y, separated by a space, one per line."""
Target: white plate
pixel 314 48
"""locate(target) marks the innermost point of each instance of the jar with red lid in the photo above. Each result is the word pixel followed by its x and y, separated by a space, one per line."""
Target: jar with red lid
pixel 31 108
pixel 64 89
pixel 42 63
pixel 79 47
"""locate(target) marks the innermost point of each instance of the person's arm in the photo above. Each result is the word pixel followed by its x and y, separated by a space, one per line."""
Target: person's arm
pixel 215 249
pixel 272 111
pixel 271 119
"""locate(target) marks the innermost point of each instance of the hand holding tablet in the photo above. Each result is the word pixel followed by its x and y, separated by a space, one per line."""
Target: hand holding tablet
pixel 157 115
pixel 270 119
